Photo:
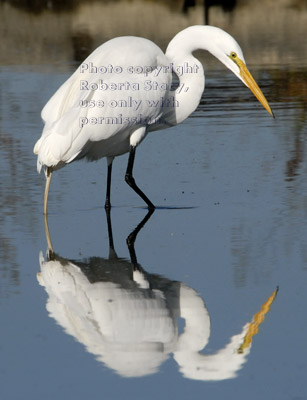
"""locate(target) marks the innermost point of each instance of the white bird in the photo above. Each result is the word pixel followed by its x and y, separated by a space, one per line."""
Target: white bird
pixel 124 90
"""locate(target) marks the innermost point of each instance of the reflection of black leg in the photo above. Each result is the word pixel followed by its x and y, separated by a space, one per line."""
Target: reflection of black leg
pixel 132 237
pixel 112 252
pixel 107 205
pixel 131 182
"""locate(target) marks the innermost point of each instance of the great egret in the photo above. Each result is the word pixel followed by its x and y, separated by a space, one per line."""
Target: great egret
pixel 124 90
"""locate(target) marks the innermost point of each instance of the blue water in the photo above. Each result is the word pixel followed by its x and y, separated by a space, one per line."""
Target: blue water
pixel 230 186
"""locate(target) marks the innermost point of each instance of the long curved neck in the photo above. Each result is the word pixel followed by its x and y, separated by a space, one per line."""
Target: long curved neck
pixel 189 70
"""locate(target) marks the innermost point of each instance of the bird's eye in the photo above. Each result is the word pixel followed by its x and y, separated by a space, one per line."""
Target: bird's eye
pixel 233 55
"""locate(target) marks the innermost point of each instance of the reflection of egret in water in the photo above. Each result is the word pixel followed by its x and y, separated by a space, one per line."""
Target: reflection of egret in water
pixel 128 318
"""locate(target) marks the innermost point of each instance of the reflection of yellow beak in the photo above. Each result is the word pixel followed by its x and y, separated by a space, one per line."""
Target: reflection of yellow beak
pixel 257 320
pixel 252 85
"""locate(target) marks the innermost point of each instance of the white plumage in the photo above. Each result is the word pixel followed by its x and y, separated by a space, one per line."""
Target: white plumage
pixel 133 328
pixel 131 93
pixel 63 138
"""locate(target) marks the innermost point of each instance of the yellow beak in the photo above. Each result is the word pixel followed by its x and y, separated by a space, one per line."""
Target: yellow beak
pixel 252 85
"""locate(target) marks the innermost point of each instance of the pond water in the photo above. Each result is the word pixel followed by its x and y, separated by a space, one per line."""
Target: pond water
pixel 190 308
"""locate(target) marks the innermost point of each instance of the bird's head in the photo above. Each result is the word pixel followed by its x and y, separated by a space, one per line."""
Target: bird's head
pixel 228 51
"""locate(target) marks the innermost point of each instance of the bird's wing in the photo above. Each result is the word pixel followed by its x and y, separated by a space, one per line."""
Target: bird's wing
pixel 123 52
pixel 130 100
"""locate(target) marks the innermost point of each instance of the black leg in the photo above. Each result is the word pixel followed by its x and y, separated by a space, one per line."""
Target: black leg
pixel 107 204
pixel 110 232
pixel 131 182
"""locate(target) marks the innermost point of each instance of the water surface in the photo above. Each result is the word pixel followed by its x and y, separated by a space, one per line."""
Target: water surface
pixel 230 186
